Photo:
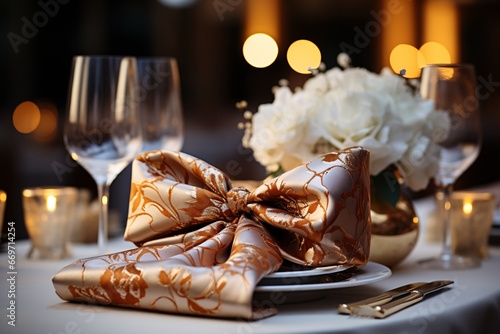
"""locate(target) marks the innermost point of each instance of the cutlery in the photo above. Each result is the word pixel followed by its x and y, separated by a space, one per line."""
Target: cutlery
pixel 381 298
pixel 415 296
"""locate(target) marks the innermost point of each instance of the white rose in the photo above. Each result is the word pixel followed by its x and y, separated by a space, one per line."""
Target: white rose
pixel 352 107
pixel 352 79
pixel 348 119
pixel 279 128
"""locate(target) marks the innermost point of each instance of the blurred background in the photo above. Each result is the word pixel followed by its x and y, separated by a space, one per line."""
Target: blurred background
pixel 39 38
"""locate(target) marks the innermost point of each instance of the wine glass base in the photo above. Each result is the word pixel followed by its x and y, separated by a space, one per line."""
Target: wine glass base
pixel 450 262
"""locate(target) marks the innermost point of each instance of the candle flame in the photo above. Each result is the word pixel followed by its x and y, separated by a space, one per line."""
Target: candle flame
pixel 467 208
pixel 51 203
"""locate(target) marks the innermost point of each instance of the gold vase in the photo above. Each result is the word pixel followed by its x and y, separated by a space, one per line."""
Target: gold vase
pixel 395 228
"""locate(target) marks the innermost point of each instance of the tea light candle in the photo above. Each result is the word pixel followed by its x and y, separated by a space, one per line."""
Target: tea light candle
pixel 48 213
pixel 471 220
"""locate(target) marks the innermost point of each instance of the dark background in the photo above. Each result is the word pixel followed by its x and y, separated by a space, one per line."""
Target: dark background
pixel 213 73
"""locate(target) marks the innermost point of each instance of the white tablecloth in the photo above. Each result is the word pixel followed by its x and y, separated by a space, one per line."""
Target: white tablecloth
pixel 472 305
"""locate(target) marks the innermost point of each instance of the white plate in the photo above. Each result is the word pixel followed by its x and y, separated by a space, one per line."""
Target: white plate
pixel 309 272
pixel 370 273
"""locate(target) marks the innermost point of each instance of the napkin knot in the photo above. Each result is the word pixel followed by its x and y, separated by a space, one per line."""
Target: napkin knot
pixel 203 246
pixel 237 199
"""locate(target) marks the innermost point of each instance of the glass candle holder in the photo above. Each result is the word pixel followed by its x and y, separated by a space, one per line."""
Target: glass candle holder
pixel 47 216
pixel 472 220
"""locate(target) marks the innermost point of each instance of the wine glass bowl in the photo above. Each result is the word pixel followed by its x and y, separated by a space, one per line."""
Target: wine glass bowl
pixel 160 103
pixel 102 128
pixel 452 87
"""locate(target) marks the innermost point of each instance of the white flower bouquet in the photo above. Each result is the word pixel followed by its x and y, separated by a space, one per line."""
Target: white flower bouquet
pixel 339 108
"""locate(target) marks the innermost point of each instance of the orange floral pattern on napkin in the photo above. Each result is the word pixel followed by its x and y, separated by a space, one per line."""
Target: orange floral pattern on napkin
pixel 202 245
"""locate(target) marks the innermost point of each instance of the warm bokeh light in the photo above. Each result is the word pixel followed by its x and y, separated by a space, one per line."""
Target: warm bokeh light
pixel 467 208
pixel 260 50
pixel 404 56
pixel 411 59
pixel 26 117
pixel 47 129
pixel 433 53
pixel 263 16
pixel 303 55
pixel 441 23
pixel 396 28
pixel 3 196
pixel 51 203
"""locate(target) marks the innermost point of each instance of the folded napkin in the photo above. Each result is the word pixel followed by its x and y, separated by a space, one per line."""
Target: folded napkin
pixel 202 246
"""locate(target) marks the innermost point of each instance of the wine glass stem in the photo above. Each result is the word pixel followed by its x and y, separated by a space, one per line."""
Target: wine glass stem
pixel 102 234
pixel 447 190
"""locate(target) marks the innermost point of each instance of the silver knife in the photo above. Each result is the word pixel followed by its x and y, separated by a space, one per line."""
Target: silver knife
pixel 381 298
pixel 416 295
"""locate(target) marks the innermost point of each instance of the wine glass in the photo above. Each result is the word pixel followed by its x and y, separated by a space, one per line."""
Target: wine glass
pixel 160 103
pixel 452 87
pixel 102 130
